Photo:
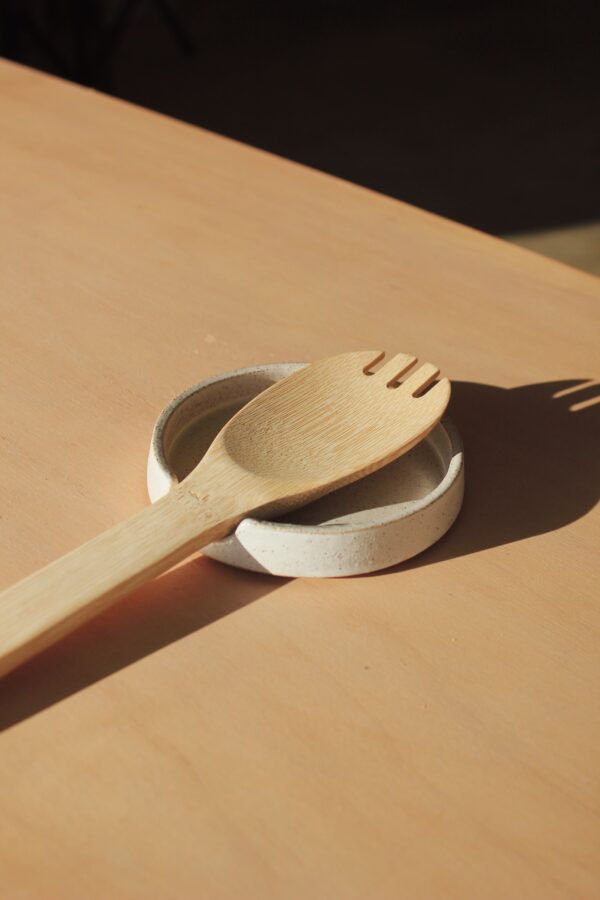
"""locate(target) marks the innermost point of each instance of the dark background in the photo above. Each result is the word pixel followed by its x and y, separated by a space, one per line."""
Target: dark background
pixel 481 111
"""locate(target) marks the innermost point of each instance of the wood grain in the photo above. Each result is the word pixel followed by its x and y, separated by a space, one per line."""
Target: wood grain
pixel 429 732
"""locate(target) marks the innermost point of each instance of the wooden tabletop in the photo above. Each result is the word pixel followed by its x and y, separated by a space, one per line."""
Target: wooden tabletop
pixel 432 731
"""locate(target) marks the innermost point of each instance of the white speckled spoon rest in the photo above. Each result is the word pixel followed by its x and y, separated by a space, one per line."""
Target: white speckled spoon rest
pixel 383 519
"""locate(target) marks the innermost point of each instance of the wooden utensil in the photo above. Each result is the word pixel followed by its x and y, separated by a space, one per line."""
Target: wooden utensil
pixel 322 427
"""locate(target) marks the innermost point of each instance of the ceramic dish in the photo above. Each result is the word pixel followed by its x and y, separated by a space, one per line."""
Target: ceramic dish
pixel 375 522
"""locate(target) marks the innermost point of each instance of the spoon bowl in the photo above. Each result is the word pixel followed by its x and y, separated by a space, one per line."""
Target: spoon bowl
pixel 329 424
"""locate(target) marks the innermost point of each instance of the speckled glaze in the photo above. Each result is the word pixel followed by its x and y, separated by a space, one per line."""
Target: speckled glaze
pixel 376 522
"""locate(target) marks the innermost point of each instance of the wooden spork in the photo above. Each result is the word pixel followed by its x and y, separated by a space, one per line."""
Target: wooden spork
pixel 322 427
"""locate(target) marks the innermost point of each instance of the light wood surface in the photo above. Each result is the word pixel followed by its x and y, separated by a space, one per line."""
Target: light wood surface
pixel 429 732
pixel 318 429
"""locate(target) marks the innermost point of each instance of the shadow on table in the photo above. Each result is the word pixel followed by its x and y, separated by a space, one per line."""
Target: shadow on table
pixel 533 465
pixel 532 462
pixel 169 608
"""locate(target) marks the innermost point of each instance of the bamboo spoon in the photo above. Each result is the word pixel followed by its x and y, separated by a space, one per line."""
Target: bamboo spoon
pixel 322 427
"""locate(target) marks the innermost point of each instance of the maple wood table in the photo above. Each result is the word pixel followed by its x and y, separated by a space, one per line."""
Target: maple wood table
pixel 432 731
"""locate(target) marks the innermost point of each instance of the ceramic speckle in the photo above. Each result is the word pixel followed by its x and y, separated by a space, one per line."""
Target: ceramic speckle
pixel 373 523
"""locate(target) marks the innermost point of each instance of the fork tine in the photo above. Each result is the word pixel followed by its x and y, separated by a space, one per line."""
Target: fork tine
pixel 421 379
pixel 439 395
pixel 368 358
pixel 397 366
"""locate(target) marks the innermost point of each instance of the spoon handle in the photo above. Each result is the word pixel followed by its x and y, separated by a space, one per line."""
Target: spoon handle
pixel 47 605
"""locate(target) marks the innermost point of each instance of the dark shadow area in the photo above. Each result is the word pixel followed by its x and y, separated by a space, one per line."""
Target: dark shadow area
pixel 532 463
pixel 483 112
pixel 166 610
